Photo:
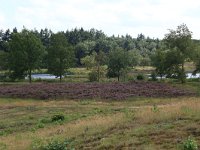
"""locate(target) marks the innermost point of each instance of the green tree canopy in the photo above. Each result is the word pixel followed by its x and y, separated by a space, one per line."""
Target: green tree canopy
pixel 26 51
pixel 179 41
pixel 196 59
pixel 118 60
pixel 60 55
pixel 158 61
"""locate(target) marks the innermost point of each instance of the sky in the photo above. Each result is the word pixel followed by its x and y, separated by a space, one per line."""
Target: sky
pixel 153 18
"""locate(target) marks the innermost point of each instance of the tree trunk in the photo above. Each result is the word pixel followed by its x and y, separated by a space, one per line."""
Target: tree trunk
pixel 98 70
pixel 118 76
pixel 29 76
pixel 61 62
pixel 182 74
pixel 60 78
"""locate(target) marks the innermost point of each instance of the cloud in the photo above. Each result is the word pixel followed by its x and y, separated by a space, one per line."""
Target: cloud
pixel 2 19
pixel 151 17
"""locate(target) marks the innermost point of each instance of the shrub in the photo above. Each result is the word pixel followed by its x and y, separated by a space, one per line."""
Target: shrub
pixel 40 125
pixel 58 117
pixel 190 144
pixel 140 77
pixel 155 108
pixel 131 78
pixel 153 76
pixel 93 76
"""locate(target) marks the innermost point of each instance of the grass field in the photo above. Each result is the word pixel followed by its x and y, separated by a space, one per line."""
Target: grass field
pixel 97 122
pixel 140 123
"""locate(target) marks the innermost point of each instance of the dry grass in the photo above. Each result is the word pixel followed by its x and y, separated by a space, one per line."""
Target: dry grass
pixel 142 123
pixel 173 111
pixel 70 130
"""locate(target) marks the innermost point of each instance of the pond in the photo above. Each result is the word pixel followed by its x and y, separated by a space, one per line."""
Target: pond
pixel 43 76
pixel 49 76
pixel 188 76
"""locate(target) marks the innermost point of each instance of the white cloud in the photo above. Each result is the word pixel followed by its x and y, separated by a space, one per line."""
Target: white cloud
pixel 151 17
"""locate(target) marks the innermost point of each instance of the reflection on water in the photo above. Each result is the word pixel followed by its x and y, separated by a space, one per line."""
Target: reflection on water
pixel 190 76
pixel 43 76
pixel 49 76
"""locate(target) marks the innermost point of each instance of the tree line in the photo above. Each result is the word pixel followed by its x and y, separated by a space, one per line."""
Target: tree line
pixel 27 50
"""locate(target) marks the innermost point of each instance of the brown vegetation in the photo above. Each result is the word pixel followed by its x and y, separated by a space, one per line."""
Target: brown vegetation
pixel 116 91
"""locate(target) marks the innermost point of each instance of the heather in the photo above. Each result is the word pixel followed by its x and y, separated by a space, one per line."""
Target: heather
pixel 115 90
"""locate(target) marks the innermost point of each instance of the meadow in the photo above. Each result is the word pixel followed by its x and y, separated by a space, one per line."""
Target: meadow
pixel 140 115
pixel 140 123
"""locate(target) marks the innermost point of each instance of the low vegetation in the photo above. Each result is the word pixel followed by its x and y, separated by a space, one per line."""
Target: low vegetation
pixel 142 123
pixel 117 91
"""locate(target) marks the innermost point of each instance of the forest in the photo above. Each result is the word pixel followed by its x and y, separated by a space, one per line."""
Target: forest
pixel 23 52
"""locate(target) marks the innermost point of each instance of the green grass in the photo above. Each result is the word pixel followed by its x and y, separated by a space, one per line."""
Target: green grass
pixel 91 124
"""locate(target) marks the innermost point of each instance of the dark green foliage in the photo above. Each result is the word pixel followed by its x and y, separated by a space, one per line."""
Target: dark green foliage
pixel 117 61
pixel 159 62
pixel 154 76
pixel 140 77
pixel 60 55
pixel 180 46
pixel 3 60
pixel 190 144
pixel 58 117
pixel 93 76
pixel 86 42
pixel 82 49
pixel 26 51
pixel 196 59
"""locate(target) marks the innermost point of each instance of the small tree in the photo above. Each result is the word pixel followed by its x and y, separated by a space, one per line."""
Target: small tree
pixel 118 61
pixel 88 61
pixel 60 55
pixel 158 61
pixel 95 62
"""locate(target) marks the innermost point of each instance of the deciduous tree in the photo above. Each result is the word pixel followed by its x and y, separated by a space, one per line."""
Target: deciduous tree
pixel 25 54
pixel 180 41
pixel 60 55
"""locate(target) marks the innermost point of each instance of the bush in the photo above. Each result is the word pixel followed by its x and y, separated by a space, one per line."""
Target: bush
pixel 58 117
pixel 140 77
pixel 93 76
pixel 131 78
pixel 40 125
pixel 153 76
pixel 190 144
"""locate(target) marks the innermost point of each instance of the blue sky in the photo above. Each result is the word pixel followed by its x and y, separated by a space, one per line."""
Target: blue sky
pixel 119 17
